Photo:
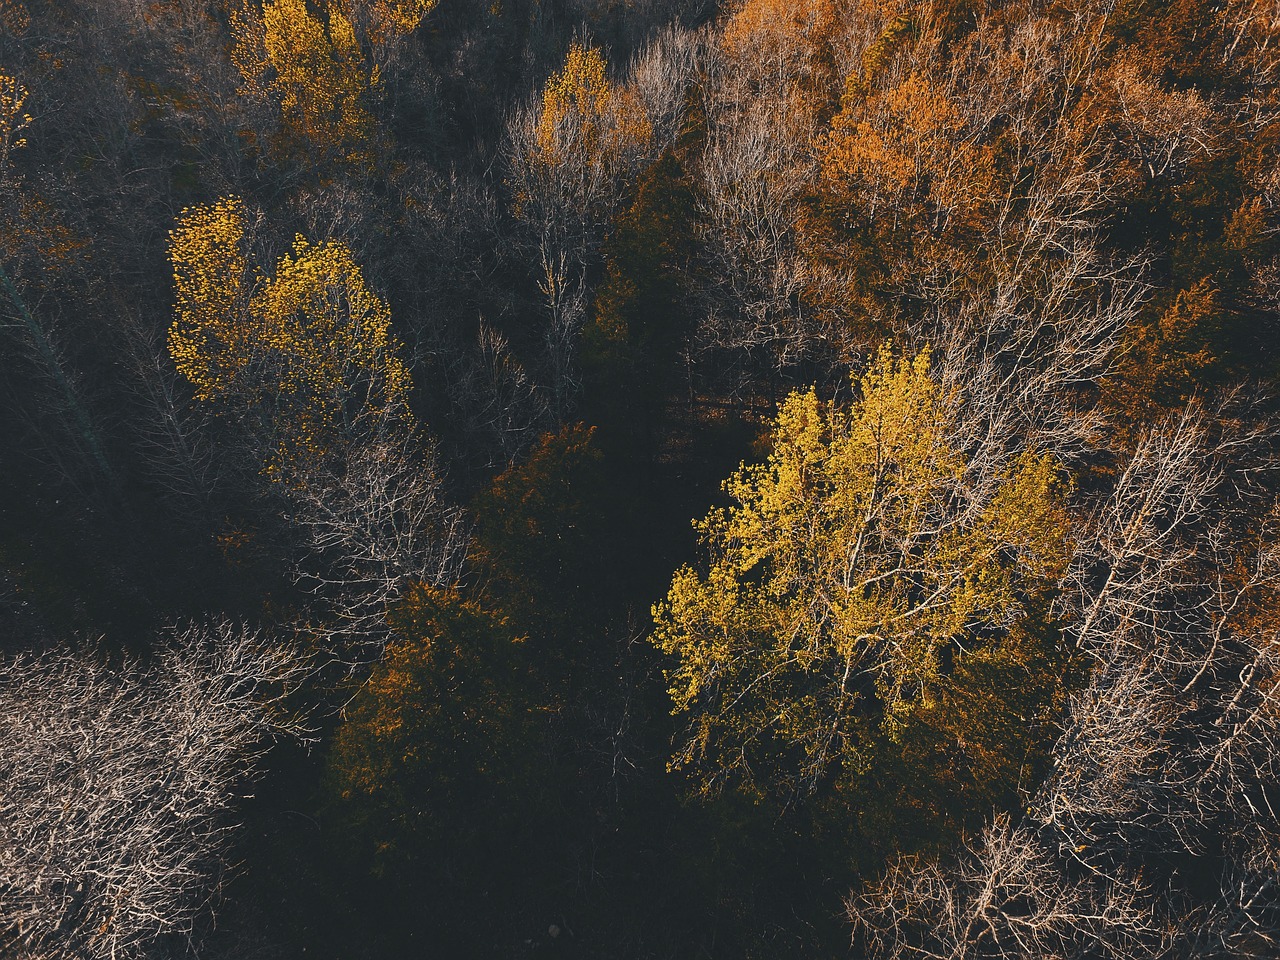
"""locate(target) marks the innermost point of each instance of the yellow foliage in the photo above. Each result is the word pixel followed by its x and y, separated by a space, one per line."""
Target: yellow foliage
pixel 315 70
pixel 12 118
pixel 392 20
pixel 313 341
pixel 583 113
pixel 334 336
pixel 210 342
pixel 847 563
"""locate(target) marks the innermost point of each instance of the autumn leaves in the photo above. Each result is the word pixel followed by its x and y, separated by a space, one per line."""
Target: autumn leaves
pixel 869 550
pixel 316 71
pixel 312 344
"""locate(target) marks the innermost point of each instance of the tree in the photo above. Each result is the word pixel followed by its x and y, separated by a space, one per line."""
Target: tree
pixel 767 87
pixel 387 22
pixel 571 148
pixel 1152 833
pixel 571 155
pixel 854 567
pixel 309 350
pixel 29 235
pixel 313 69
pixel 374 525
pixel 640 315
pixel 540 535
pixel 583 111
pixel 306 361
pixel 437 775
pixel 13 121
pixel 121 785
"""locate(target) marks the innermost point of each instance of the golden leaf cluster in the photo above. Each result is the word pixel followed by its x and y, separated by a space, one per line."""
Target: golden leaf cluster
pixel 315 70
pixel 392 20
pixel 847 563
pixel 13 121
pixel 313 341
pixel 583 113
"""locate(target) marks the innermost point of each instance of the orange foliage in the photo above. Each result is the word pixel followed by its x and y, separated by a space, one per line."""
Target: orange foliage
pixel 785 49
pixel 905 143
pixel 777 31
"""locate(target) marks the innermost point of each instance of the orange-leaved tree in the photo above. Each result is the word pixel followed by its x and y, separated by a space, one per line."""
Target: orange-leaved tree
pixel 438 769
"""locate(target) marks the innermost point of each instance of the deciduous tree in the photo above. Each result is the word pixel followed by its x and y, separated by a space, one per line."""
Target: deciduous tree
pixel 1153 831
pixel 311 347
pixel 312 68
pixel 851 569
pixel 121 787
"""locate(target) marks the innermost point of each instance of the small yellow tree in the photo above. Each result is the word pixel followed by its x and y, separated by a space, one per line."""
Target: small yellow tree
pixel 314 69
pixel 389 21
pixel 13 120
pixel 585 117
pixel 312 344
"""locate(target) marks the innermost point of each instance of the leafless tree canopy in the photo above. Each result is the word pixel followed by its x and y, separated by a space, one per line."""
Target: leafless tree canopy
pixel 121 784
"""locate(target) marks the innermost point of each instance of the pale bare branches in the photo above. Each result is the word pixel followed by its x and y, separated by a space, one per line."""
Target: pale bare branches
pixel 1156 829
pixel 375 523
pixel 571 156
pixel 1005 896
pixel 120 785
pixel 751 181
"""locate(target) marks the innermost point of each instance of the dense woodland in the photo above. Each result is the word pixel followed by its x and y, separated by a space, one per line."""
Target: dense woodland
pixel 639 479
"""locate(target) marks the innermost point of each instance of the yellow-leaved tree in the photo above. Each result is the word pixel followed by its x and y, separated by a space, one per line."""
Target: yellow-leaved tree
pixel 585 117
pixel 389 21
pixel 853 574
pixel 310 347
pixel 313 69
pixel 13 119
pixel 573 153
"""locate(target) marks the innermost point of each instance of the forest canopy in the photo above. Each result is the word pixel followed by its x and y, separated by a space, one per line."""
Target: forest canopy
pixel 675 478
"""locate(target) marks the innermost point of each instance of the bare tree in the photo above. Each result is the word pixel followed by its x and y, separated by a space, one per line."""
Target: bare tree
pixel 121 784
pixel 761 107
pixel 752 180
pixel 173 436
pixel 375 522
pixel 496 398
pixel 1155 830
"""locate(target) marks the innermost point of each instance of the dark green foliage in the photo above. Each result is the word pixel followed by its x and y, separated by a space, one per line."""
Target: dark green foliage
pixel 642 312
